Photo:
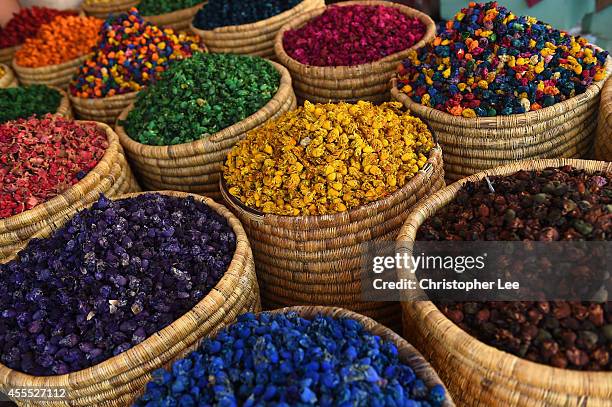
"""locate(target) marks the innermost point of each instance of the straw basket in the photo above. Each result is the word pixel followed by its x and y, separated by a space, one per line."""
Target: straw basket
pixel 603 142
pixel 180 20
pixel 53 75
pixel 350 83
pixel 8 80
pixel 479 374
pixel 103 10
pixel 196 166
pixel 408 354
pixel 64 108
pixel 121 379
pixel 105 110
pixel 111 176
pixel 255 38
pixel 7 54
pixel 317 260
pixel 564 130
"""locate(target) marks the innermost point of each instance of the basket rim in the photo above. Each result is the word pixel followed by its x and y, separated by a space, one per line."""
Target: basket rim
pixel 375 328
pixel 108 368
pixel 284 90
pixel 57 67
pixel 435 159
pixel 80 101
pixel 499 121
pixel 481 352
pixel 117 5
pixel 230 29
pixel 178 12
pixel 324 71
pixel 108 158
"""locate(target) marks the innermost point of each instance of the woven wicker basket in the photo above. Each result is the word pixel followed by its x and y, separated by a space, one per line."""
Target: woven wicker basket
pixel 196 166
pixel 408 354
pixel 8 80
pixel 105 110
pixel 103 10
pixel 479 374
pixel 255 39
pixel 566 129
pixel 121 379
pixel 351 83
pixel 603 141
pixel 180 20
pixel 7 54
pixel 111 176
pixel 317 260
pixel 64 108
pixel 53 75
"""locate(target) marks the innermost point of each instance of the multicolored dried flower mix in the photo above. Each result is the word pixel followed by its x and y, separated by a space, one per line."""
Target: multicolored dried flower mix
pixel 114 275
pixel 327 158
pixel 200 96
pixel 353 35
pixel 286 360
pixel 64 39
pixel 26 24
pixel 130 55
pixel 489 62
pixel 222 13
pixel 24 101
pixel 42 157
pixel 550 205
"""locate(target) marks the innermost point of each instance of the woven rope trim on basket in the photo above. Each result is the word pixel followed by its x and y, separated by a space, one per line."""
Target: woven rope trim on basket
pixel 603 143
pixel 342 72
pixel 102 10
pixel 449 342
pixel 462 124
pixel 72 195
pixel 214 142
pixel 8 80
pixel 123 377
pixel 179 19
pixel 408 354
pixel 7 54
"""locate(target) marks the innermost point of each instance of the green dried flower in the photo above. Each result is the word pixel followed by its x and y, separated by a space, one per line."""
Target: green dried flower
pixel 157 7
pixel 25 101
pixel 200 96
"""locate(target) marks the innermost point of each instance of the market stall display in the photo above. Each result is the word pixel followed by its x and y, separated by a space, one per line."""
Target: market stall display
pixel 351 63
pixel 210 284
pixel 543 367
pixel 310 190
pixel 179 131
pixel 361 362
pixel 130 54
pixel 498 88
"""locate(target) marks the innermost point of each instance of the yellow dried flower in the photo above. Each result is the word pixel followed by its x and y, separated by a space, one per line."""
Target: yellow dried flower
pixel 2 72
pixel 327 158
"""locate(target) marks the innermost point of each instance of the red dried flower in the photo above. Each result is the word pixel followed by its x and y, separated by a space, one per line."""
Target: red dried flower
pixel 353 35
pixel 41 158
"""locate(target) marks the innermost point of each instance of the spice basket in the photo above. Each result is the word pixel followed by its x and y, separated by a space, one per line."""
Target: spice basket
pixel 408 354
pixel 7 54
pixel 471 145
pixel 478 374
pixel 180 20
pixel 255 39
pixel 103 10
pixel 53 75
pixel 105 110
pixel 8 80
pixel 111 176
pixel 317 260
pixel 603 140
pixel 120 379
pixel 369 82
pixel 196 166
